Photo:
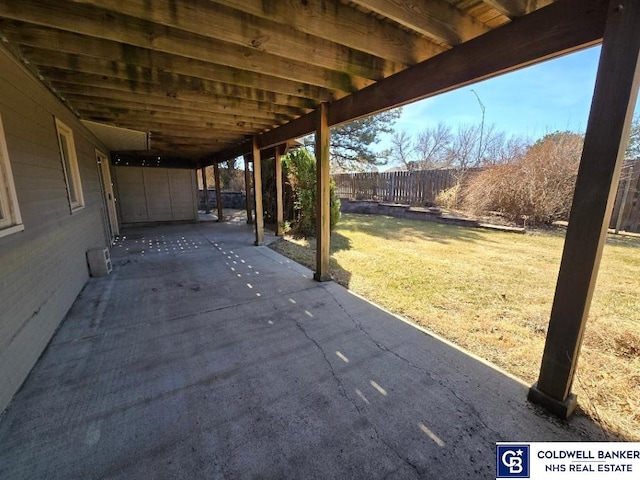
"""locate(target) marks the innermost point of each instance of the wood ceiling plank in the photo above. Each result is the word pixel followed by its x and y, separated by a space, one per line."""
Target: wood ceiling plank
pixel 92 113
pixel 436 19
pixel 517 8
pixel 342 24
pixel 151 122
pixel 219 22
pixel 117 101
pixel 136 110
pixel 115 98
pixel 181 145
pixel 139 79
pixel 187 132
pixel 84 80
pixel 69 51
pixel 93 23
pixel 204 135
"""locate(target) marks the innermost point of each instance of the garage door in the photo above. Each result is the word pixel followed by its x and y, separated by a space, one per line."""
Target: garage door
pixel 148 194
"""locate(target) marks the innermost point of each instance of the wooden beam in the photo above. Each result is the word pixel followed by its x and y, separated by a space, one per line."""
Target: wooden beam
pixel 225 24
pixel 219 105
pixel 614 99
pixel 205 189
pixel 48 47
pixel 216 179
pixel 151 123
pixel 435 19
pixel 323 198
pixel 517 8
pixel 154 122
pixel 194 133
pixel 128 112
pixel 279 194
pixel 344 25
pixel 576 24
pixel 172 85
pixel 92 22
pixel 177 143
pixel 257 189
pixel 247 189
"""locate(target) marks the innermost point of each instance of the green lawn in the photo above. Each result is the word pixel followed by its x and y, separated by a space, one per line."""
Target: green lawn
pixel 491 293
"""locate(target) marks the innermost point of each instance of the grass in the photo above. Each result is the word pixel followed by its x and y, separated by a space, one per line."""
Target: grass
pixel 491 293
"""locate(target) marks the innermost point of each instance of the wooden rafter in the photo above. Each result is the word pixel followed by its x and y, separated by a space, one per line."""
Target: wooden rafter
pixel 249 67
pixel 216 105
pixel 577 24
pixel 436 19
pixel 171 84
pixel 341 24
pixel 67 83
pixel 124 29
pixel 78 56
pixel 141 112
pixel 225 24
pixel 517 8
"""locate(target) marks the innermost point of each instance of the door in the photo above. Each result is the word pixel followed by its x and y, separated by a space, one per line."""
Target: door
pixel 110 200
pixel 156 194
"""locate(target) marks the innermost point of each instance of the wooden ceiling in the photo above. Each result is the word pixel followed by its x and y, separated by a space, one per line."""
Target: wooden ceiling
pixel 202 76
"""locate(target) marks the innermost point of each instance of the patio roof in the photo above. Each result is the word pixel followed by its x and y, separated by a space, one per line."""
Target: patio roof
pixel 202 76
pixel 202 356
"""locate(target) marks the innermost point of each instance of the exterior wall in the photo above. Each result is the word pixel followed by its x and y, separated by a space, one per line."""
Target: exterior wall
pixel 43 268
pixel 151 194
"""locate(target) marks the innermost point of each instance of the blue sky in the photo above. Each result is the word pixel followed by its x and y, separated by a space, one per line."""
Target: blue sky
pixel 553 95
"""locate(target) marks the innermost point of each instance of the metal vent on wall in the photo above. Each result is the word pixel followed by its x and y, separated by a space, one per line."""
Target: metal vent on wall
pixel 99 262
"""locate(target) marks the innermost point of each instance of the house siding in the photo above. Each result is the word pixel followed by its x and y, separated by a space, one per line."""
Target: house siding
pixel 43 268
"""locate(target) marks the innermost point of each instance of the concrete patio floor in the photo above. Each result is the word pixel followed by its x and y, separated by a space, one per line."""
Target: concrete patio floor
pixel 202 356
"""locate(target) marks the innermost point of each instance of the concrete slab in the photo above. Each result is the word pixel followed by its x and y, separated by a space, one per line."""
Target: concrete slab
pixel 202 356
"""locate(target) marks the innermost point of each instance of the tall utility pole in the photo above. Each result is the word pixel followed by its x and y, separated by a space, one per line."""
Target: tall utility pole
pixel 481 127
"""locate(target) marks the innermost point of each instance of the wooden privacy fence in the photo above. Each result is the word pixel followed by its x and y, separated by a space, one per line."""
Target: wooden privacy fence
pixel 418 187
pixel 626 209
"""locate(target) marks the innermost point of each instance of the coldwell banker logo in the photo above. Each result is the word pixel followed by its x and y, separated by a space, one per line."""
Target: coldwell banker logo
pixel 512 461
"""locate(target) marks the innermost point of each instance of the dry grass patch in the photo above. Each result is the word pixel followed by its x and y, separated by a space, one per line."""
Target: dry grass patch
pixel 491 293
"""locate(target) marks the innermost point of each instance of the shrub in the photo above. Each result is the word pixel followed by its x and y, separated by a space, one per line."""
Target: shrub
pixel 538 185
pixel 299 168
pixel 449 198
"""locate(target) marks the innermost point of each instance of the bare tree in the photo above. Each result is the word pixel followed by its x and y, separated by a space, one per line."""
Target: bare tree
pixel 403 149
pixel 498 148
pixel 463 149
pixel 432 146
pixel 468 146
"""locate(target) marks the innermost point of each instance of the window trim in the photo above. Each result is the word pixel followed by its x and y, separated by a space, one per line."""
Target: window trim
pixel 8 196
pixel 64 131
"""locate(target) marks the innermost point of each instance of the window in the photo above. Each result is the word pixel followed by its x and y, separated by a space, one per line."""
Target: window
pixel 10 220
pixel 70 165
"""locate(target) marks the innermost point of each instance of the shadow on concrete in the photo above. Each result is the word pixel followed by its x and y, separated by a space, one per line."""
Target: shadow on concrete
pixel 202 356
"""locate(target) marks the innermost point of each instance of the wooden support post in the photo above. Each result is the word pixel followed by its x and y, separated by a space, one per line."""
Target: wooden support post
pixel 323 198
pixel 247 188
pixel 216 178
pixel 279 198
pixel 257 186
pixel 605 141
pixel 623 200
pixel 205 190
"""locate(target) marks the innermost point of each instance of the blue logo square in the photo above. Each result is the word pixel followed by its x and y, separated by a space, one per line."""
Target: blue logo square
pixel 512 461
